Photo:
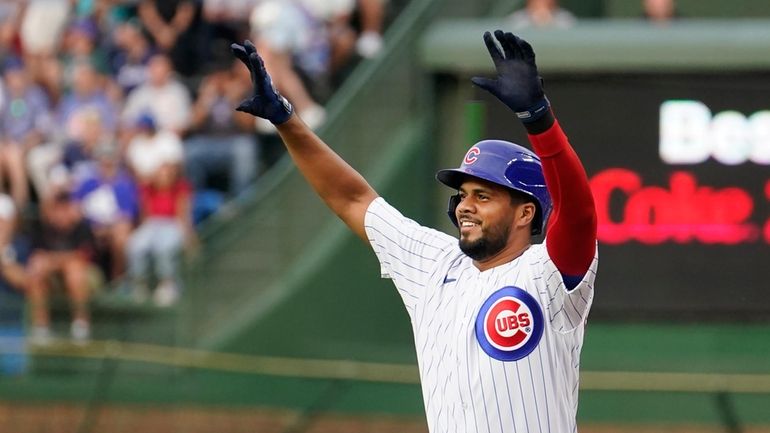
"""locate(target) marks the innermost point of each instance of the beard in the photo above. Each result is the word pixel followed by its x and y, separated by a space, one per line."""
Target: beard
pixel 491 242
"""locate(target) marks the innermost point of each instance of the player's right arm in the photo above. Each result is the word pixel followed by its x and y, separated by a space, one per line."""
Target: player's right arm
pixel 341 187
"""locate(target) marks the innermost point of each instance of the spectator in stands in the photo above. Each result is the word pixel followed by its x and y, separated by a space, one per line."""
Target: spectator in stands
pixel 541 13
pixel 228 19
pixel 41 29
pixel 660 11
pixel 163 96
pixel 62 246
pixel 25 122
pixel 81 45
pixel 89 91
pixel 174 26
pixel 62 161
pixel 222 141
pixel 14 248
pixel 130 56
pixel 109 200
pixel 372 15
pixel 165 228
pixel 10 14
pixel 77 157
pixel 300 42
pixel 14 253
pixel 150 148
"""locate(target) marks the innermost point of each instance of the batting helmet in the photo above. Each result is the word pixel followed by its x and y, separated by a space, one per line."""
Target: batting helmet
pixel 506 164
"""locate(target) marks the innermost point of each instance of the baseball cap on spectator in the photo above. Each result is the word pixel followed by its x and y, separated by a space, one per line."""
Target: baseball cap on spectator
pixel 145 121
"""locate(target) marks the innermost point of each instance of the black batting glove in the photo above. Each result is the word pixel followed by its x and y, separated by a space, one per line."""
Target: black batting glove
pixel 266 103
pixel 518 84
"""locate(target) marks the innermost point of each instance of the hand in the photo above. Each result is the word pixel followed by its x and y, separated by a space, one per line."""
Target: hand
pixel 517 85
pixel 266 103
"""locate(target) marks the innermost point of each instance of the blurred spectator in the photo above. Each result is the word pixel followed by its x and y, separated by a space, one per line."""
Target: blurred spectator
pixel 109 200
pixel 228 19
pixel 130 57
pixel 41 30
pixel 62 246
pixel 61 162
pixel 165 228
pixel 25 121
pixel 14 253
pixel 10 15
pixel 660 11
pixel 541 13
pixel 81 45
pixel 150 148
pixel 43 24
pixel 301 42
pixel 174 26
pixel 89 91
pixel 163 96
pixel 14 249
pixel 222 141
pixel 372 15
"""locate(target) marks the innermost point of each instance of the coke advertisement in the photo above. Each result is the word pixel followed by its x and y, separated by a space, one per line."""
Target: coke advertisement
pixel 679 165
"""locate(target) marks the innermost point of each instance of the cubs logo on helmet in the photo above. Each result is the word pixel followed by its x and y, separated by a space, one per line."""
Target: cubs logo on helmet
pixel 509 324
pixel 472 155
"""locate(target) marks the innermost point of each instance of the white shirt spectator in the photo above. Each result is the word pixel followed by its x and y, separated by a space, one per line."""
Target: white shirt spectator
pixel 146 153
pixel 288 27
pixel 43 24
pixel 162 96
pixel 169 105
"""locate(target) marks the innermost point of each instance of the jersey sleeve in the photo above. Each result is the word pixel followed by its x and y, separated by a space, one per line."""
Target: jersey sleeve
pixel 568 308
pixel 407 251
pixel 572 225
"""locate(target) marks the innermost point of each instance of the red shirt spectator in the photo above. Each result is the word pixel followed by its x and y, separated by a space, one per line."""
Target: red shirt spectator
pixel 164 202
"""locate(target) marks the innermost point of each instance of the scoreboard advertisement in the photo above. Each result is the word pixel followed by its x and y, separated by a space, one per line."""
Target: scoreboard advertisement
pixel 679 165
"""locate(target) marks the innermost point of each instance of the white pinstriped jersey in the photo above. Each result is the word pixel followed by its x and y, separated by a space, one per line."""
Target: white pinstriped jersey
pixel 483 366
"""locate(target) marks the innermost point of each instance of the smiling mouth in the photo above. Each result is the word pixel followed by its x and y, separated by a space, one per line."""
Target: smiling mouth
pixel 467 226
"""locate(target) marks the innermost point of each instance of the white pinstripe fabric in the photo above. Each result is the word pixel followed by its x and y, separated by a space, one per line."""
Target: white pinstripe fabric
pixel 464 389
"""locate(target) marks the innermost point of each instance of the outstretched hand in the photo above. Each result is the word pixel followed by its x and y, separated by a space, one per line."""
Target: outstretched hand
pixel 266 103
pixel 518 84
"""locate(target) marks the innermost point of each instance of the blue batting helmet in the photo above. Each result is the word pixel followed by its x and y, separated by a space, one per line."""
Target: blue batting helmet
pixel 506 164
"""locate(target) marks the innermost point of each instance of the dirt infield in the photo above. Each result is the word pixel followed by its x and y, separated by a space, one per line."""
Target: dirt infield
pixel 68 418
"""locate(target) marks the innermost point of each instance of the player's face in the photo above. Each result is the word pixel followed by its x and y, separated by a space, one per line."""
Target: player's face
pixel 485 216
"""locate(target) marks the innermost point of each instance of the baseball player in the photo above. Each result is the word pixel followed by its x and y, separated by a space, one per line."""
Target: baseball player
pixel 498 322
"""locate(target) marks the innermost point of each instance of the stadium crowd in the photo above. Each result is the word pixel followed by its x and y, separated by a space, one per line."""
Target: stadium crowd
pixel 118 134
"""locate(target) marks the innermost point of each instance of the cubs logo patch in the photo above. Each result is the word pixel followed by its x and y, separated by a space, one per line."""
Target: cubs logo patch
pixel 472 155
pixel 509 324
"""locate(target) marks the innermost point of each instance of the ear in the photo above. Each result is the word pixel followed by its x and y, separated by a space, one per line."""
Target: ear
pixel 525 213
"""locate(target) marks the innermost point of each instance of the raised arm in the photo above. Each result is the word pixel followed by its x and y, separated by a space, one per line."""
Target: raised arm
pixel 571 234
pixel 341 187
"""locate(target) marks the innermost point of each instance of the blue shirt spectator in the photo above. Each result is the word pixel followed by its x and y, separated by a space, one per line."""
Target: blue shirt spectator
pixel 107 194
pixel 88 92
pixel 27 109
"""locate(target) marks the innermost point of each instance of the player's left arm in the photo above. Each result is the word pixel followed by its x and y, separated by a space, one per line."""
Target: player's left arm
pixel 572 226
pixel 571 230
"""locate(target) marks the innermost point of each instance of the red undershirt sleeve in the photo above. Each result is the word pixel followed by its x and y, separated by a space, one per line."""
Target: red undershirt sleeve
pixel 571 232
